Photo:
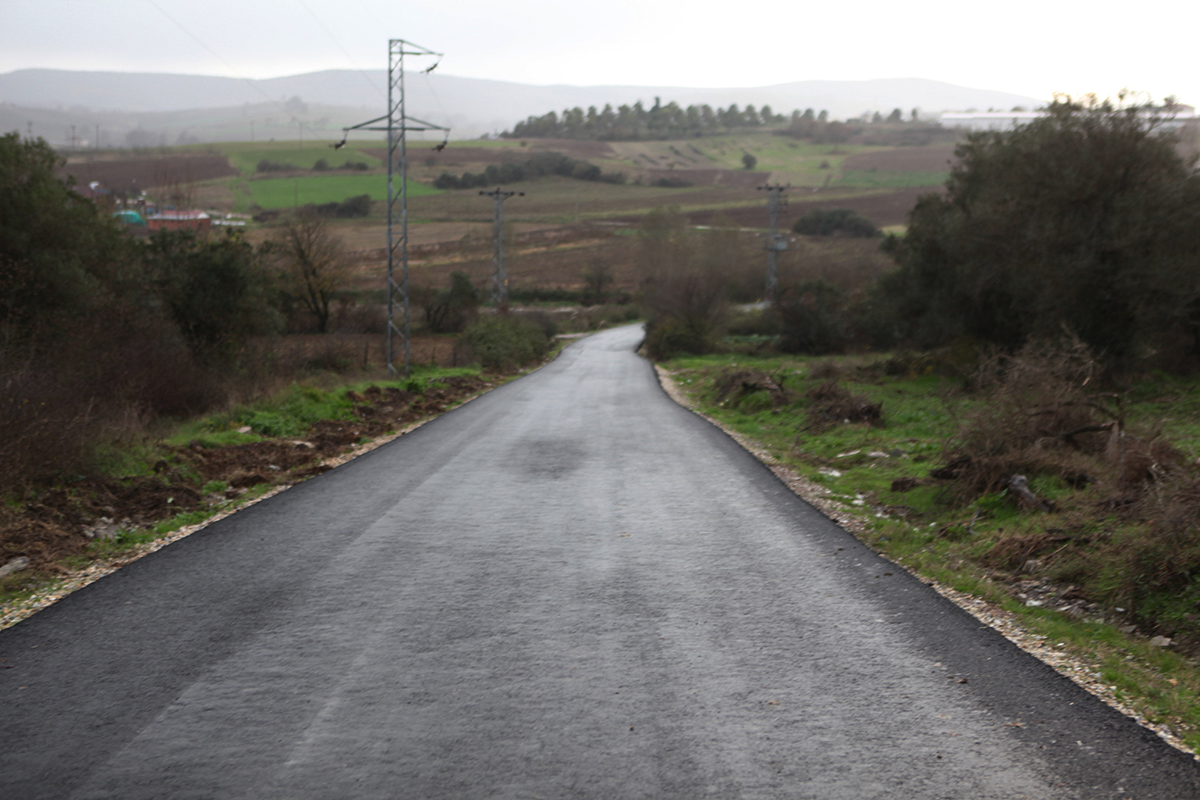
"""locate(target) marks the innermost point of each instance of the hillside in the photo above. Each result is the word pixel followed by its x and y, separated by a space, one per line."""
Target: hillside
pixel 210 108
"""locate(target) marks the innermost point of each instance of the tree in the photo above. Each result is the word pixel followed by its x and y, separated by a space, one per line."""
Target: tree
pixel 684 294
pixel 315 264
pixel 749 161
pixel 451 309
pixel 835 222
pixel 60 255
pixel 216 289
pixel 1085 218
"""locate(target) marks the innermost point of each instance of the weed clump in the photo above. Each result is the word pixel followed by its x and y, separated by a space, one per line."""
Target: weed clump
pixel 1039 418
pixel 734 387
pixel 505 341
pixel 832 403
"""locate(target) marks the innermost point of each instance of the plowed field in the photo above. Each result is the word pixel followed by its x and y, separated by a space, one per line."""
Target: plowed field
pixel 904 159
pixel 135 174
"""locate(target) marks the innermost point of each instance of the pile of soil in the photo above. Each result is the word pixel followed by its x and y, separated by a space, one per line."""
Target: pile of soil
pixel 63 521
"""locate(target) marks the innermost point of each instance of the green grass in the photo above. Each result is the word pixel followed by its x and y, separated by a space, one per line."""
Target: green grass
pixel 246 155
pixel 272 193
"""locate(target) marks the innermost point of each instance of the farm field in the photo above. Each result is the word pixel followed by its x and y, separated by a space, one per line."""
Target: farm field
pixel 274 193
pixel 881 183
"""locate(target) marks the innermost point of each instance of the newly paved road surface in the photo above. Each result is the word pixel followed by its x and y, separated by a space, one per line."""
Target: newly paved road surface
pixel 568 588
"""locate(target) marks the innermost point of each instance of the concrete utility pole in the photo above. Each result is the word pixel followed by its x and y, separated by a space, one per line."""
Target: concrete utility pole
pixel 397 126
pixel 499 276
pixel 776 243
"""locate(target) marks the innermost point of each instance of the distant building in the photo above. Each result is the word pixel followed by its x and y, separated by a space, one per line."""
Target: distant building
pixel 130 217
pixel 179 220
pixel 1174 117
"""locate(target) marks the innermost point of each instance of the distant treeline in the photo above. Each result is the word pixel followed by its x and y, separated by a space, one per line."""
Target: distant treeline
pixel 635 122
pixel 539 165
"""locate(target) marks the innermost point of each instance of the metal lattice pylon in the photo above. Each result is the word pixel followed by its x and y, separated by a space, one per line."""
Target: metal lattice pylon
pixel 398 125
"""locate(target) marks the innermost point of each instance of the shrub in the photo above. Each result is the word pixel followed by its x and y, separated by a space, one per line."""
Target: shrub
pixel 813 319
pixel 266 165
pixel 450 310
pixel 505 341
pixel 835 222
pixel 673 336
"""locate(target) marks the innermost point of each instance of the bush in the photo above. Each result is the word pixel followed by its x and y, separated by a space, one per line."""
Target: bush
pixel 672 337
pixel 505 341
pixel 835 222
pixel 450 310
pixel 266 165
pixel 813 319
pixel 359 206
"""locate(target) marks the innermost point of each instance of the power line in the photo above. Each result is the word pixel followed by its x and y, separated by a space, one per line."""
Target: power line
pixel 214 54
pixel 338 45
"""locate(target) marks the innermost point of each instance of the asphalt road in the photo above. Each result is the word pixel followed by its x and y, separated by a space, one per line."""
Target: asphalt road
pixel 568 588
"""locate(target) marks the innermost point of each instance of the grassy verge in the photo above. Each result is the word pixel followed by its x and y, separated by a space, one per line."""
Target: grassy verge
pixel 1054 575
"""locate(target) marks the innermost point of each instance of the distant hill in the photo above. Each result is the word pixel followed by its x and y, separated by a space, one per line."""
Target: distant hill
pixel 160 107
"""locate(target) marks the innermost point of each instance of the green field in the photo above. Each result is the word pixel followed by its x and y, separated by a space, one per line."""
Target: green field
pixel 273 193
pixel 246 155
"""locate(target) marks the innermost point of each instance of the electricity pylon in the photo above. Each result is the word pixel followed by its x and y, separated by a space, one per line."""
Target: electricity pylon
pixel 499 276
pixel 776 243
pixel 398 124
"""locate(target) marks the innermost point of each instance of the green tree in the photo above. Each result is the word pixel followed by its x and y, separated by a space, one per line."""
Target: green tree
pixel 749 161
pixel 835 222
pixel 684 293
pixel 1085 218
pixel 216 289
pixel 452 309
pixel 60 255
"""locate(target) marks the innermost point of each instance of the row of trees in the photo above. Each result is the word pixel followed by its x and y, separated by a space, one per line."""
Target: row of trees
pixel 636 122
pixel 539 165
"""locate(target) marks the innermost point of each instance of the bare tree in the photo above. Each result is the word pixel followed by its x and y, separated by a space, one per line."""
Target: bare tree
pixel 315 263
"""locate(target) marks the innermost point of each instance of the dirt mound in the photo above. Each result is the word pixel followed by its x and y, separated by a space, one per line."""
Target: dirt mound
pixel 134 174
pixel 904 159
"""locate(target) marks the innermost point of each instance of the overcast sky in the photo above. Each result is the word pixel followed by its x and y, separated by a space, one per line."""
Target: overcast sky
pixel 1029 47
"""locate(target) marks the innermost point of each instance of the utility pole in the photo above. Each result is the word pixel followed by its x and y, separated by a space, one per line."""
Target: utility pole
pixel 775 243
pixel 499 276
pixel 397 126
